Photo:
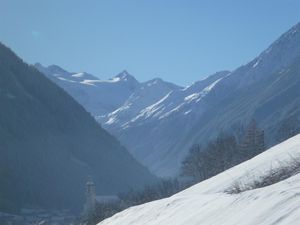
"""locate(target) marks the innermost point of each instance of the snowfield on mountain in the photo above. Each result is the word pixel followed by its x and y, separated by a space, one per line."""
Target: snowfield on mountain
pixel 208 202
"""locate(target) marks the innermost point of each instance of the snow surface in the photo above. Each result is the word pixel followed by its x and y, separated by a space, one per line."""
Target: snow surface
pixel 207 203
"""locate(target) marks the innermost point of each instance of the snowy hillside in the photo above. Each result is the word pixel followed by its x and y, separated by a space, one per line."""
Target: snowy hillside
pixel 207 203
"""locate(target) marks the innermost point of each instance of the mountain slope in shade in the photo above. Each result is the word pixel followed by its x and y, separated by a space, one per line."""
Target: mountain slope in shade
pixel 207 202
pixel 153 134
pixel 49 144
pixel 266 89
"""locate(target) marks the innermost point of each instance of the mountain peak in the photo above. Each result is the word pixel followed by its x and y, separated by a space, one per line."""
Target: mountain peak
pixel 50 70
pixel 154 81
pixel 160 82
pixel 56 69
pixel 291 35
pixel 39 66
pixel 280 54
pixel 124 72
pixel 125 76
pixel 157 79
pixel 295 28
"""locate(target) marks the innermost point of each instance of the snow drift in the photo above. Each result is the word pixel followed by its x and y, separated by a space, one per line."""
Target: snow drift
pixel 207 203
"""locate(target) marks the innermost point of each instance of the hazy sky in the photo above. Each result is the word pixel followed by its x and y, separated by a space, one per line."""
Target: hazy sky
pixel 178 40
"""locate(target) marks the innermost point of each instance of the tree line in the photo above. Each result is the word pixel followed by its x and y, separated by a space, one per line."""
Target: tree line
pixel 203 162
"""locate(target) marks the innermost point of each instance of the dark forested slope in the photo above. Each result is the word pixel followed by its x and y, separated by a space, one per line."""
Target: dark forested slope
pixel 49 144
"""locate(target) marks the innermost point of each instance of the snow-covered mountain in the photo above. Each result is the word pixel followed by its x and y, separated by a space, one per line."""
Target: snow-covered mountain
pixel 267 89
pixel 209 202
pixel 153 133
pixel 145 95
pixel 103 97
pixel 123 103
pixel 99 97
pixel 158 122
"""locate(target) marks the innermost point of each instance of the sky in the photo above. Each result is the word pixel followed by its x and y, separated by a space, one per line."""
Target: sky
pixel 180 41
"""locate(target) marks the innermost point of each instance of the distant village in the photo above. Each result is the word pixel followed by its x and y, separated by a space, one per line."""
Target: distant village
pixel 38 217
pixel 29 216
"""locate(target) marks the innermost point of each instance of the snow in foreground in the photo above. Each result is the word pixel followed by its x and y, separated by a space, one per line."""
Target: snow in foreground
pixel 207 204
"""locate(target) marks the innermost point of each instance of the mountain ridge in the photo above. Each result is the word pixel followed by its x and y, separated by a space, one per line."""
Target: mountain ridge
pixel 159 131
